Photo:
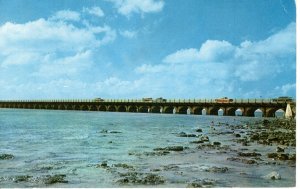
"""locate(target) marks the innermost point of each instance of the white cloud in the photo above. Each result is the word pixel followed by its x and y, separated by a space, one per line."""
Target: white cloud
pixel 183 56
pixel 66 15
pixel 128 34
pixel 127 7
pixel 96 11
pixel 29 42
pixel 285 89
pixel 223 67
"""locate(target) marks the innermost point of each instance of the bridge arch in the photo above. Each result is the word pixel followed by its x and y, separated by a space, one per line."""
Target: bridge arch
pixel 132 109
pixel 155 109
pixel 197 110
pixel 168 109
pixel 111 108
pixel 182 109
pixel 121 109
pixel 143 109
pixel 213 110
pixel 101 108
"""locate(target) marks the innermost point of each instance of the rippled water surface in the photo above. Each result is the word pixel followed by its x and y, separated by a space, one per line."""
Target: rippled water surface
pixel 75 143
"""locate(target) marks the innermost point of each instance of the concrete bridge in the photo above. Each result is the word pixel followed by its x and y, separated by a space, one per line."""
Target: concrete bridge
pixel 246 107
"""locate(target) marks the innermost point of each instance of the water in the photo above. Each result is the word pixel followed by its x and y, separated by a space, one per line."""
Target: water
pixel 75 143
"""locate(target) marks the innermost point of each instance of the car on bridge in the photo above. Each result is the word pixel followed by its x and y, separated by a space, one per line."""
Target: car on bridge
pixel 160 100
pixel 223 100
pixel 147 99
pixel 283 99
pixel 98 100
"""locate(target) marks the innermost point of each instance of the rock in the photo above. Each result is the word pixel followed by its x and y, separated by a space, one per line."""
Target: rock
pixel 6 156
pixel 248 161
pixel 292 157
pixel 22 178
pixel 183 134
pixel 273 175
pixel 102 165
pixel 237 135
pixel 249 154
pixel 216 143
pixel 114 132
pixel 204 138
pixel 170 148
pixel 283 156
pixel 123 165
pixel 104 131
pixel 141 178
pixel 199 130
pixel 272 155
pixel 197 141
pixel 279 149
pixel 205 183
pixel 265 122
pixel 59 178
pixel 217 169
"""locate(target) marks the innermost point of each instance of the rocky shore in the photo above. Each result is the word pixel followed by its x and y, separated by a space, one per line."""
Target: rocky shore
pixel 205 159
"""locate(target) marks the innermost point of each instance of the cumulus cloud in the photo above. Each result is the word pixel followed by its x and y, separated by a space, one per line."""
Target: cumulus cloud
pixel 96 11
pixel 224 67
pixel 128 34
pixel 127 7
pixel 35 41
pixel 66 15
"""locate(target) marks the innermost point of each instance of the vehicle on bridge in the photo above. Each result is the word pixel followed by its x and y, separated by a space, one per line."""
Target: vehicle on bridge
pixel 283 99
pixel 147 99
pixel 98 100
pixel 223 100
pixel 160 100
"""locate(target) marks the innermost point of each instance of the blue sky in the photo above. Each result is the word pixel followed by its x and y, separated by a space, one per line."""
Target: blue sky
pixel 147 48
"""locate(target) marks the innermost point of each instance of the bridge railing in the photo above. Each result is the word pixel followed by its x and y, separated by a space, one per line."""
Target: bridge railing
pixel 260 100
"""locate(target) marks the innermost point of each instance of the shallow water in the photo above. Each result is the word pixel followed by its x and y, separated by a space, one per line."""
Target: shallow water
pixel 73 143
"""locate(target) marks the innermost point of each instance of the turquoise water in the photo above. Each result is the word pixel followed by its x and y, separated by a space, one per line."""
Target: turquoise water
pixel 74 143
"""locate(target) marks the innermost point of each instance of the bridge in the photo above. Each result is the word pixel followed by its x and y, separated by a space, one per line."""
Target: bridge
pixel 246 107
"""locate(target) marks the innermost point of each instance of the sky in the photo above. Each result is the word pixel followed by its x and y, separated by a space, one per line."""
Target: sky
pixel 131 49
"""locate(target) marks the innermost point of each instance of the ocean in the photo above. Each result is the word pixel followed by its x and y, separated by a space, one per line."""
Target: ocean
pixel 98 149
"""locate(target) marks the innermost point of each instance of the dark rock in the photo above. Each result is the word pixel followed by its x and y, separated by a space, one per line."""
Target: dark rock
pixel 103 165
pixel 265 122
pixel 217 169
pixel 22 178
pixel 6 156
pixel 104 131
pixel 141 178
pixel 283 156
pixel 52 179
pixel 248 161
pixel 216 143
pixel 114 132
pixel 183 134
pixel 197 141
pixel 237 135
pixel 249 154
pixel 279 149
pixel 199 130
pixel 205 183
pixel 170 148
pixel 292 157
pixel 123 165
pixel 272 155
pixel 204 138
